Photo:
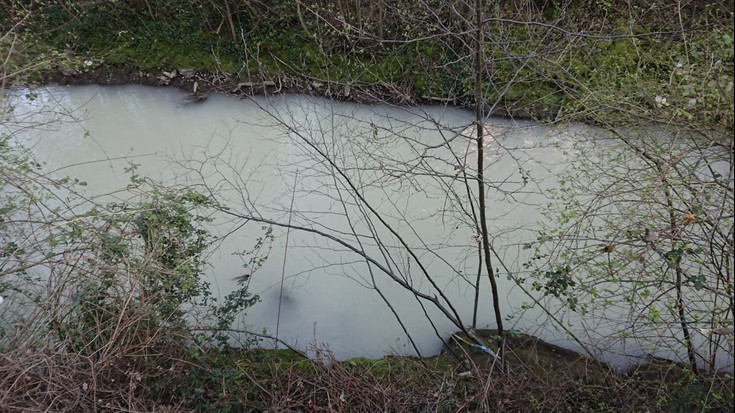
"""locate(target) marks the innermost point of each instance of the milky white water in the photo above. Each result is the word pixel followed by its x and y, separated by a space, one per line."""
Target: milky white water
pixel 264 154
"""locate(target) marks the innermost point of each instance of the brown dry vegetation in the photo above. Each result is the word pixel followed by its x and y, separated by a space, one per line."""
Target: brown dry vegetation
pixel 174 378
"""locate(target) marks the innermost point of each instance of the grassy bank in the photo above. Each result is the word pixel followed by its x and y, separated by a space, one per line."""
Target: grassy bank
pixel 554 61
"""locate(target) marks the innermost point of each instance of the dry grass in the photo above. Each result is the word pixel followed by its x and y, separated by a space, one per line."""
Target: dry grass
pixel 154 377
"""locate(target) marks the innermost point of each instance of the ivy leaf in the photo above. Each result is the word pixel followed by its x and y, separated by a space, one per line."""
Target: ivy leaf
pixel 697 281
pixel 674 257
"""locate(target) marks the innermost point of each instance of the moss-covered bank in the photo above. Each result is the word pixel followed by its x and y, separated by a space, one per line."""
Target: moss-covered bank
pixel 549 60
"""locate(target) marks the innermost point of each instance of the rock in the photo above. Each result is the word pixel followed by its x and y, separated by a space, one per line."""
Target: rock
pixel 187 73
pixel 197 97
pixel 172 74
pixel 67 71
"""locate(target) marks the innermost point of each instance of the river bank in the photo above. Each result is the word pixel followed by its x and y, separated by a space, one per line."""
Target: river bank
pixel 178 379
pixel 200 84
pixel 593 63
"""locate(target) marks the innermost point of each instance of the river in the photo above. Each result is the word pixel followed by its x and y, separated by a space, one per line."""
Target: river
pixel 386 180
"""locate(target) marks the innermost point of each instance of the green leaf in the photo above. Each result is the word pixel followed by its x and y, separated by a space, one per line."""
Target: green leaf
pixel 674 257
